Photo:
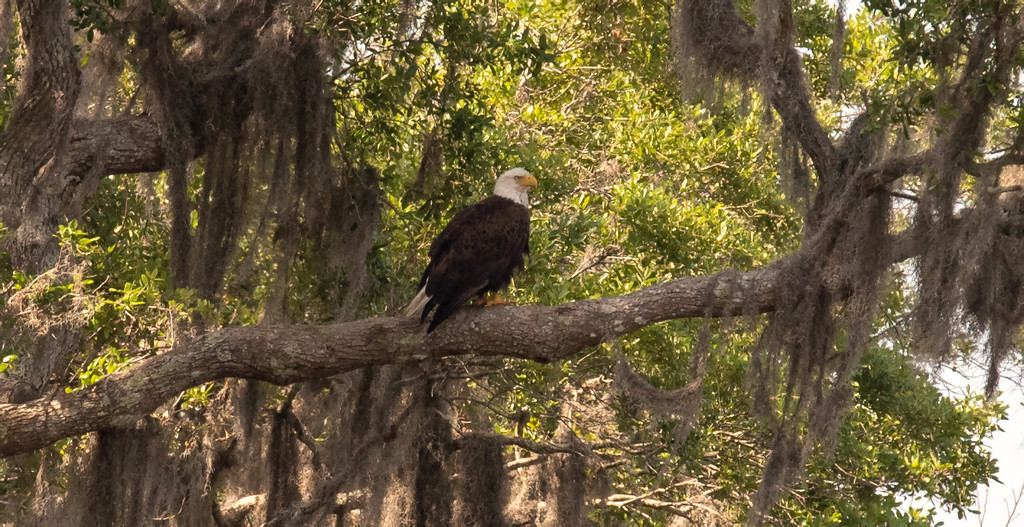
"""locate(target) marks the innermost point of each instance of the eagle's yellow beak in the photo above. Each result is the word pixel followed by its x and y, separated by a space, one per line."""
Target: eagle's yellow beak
pixel 528 181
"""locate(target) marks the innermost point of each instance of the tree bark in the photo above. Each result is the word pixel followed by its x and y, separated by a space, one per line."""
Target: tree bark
pixel 288 354
pixel 32 176
pixel 132 143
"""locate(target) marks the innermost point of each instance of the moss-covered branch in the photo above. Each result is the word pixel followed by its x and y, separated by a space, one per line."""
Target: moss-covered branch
pixel 294 353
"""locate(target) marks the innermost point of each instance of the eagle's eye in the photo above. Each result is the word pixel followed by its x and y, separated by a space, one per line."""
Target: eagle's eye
pixel 518 178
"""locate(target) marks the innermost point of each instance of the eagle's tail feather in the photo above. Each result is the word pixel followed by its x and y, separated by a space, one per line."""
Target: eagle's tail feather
pixel 448 306
pixel 417 303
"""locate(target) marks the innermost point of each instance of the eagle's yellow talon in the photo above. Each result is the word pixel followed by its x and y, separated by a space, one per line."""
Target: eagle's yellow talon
pixel 496 300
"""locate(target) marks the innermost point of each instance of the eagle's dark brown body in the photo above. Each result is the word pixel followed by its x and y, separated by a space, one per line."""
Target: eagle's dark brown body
pixel 475 254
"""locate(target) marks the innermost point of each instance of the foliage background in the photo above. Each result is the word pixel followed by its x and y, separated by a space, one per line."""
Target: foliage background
pixel 648 172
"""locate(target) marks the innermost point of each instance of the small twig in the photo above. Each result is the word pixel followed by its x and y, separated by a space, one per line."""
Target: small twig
pixel 584 268
pixel 995 191
pixel 287 402
pixel 285 410
pixel 304 438
pixel 523 462
pixel 1012 513
pixel 619 500
pixel 526 444
pixel 904 195
pixel 159 518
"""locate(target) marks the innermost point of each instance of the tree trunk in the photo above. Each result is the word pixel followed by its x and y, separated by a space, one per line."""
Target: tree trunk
pixel 34 160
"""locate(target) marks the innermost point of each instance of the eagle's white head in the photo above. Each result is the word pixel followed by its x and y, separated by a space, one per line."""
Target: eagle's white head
pixel 514 184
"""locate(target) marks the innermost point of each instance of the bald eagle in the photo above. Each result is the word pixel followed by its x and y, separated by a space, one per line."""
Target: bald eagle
pixel 478 250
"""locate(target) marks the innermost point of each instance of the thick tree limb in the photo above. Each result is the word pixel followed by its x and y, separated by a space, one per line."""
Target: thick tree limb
pixel 132 143
pixel 288 354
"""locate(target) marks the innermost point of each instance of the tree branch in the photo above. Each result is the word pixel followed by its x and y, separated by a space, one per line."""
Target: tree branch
pixel 792 99
pixel 726 44
pixel 288 354
pixel 132 143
